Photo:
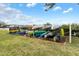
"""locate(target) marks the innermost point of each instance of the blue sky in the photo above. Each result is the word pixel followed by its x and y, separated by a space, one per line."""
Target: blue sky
pixel 33 13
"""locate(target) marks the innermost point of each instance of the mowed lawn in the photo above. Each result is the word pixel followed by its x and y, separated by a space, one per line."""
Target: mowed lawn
pixel 16 45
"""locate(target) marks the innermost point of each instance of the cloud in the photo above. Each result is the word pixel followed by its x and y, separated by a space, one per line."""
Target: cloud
pixel 57 8
pixel 14 16
pixel 3 5
pixel 30 4
pixel 11 15
pixel 68 10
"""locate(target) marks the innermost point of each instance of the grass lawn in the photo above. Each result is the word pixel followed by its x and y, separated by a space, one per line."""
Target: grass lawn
pixel 16 45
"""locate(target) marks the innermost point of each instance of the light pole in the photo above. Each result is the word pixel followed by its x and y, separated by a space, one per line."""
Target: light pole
pixel 70 34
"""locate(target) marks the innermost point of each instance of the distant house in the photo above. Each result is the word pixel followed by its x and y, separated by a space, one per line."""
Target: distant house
pixel 43 27
pixel 29 27
pixel 37 27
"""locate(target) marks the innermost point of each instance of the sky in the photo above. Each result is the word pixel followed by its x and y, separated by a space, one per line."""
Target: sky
pixel 33 13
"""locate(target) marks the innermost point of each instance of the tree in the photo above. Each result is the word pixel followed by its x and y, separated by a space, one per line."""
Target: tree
pixel 2 24
pixel 47 26
pixel 49 6
pixel 77 3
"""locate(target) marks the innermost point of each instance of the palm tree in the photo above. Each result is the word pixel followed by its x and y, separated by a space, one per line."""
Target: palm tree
pixel 49 6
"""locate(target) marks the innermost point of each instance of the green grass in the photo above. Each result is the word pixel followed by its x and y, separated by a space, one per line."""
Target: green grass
pixel 16 45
